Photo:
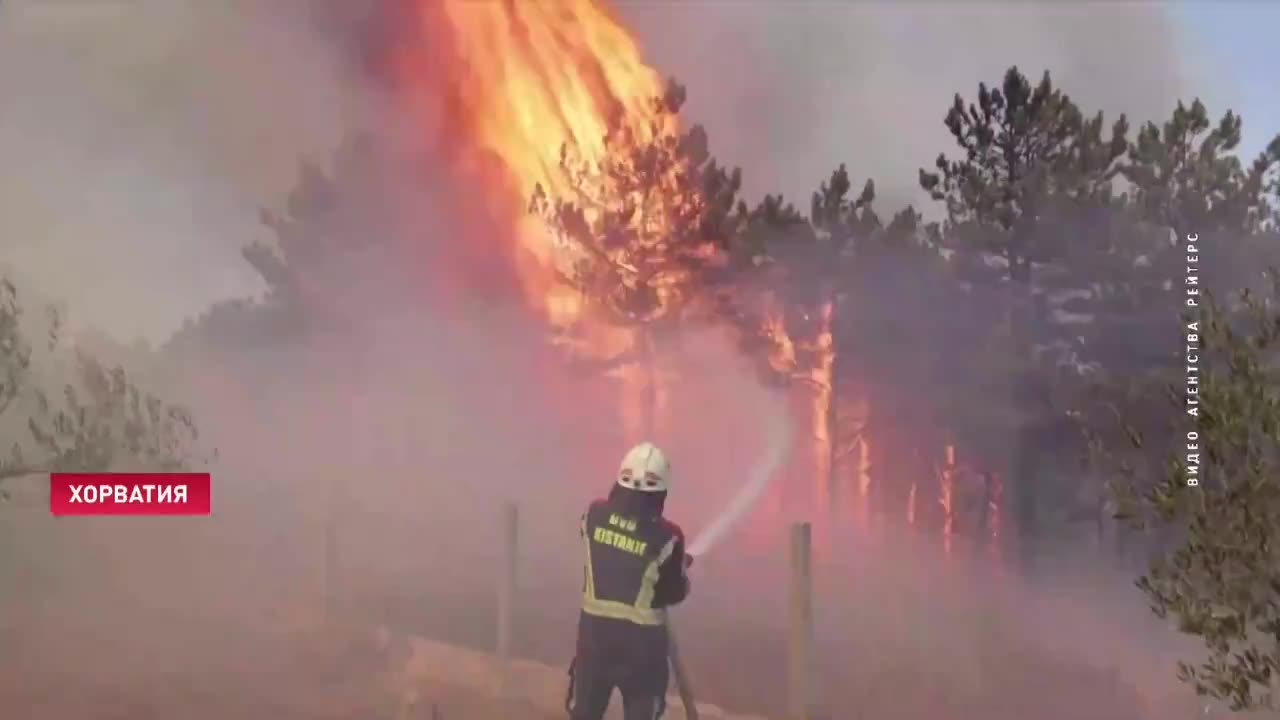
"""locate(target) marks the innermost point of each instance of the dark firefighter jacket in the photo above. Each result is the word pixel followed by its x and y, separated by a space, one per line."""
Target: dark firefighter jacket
pixel 634 565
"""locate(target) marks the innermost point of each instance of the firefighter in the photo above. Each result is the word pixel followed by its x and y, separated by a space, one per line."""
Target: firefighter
pixel 635 567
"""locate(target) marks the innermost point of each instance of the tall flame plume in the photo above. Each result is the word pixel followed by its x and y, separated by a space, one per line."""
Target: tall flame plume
pixel 528 81
pixel 533 79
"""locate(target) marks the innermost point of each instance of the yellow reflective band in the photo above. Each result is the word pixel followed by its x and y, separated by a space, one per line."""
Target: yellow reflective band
pixel 622 611
pixel 588 580
pixel 641 612
pixel 647 586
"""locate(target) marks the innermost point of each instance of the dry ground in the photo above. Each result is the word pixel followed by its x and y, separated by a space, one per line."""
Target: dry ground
pixel 228 675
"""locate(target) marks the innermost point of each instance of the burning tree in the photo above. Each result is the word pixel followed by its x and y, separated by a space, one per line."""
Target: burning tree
pixel 813 272
pixel 646 225
pixel 645 230
pixel 906 338
pixel 653 235
pixel 644 237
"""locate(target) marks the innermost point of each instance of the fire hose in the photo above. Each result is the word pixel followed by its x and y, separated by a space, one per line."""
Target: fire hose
pixel 777 445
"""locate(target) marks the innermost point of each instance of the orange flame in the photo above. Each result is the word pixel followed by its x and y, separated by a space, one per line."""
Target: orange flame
pixel 547 74
pixel 821 375
pixel 532 82
pixel 804 356
pixel 535 91
pixel 538 77
pixel 945 499
pixel 782 350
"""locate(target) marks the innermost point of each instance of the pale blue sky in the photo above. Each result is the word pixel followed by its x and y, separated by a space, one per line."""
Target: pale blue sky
pixel 1235 42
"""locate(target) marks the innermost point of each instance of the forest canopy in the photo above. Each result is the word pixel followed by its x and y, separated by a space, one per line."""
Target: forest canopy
pixel 1038 321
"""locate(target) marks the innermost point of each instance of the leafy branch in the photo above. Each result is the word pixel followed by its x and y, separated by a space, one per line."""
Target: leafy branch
pixel 100 421
pixel 1219 577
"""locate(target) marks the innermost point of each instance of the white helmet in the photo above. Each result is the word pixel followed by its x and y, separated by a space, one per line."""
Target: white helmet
pixel 645 469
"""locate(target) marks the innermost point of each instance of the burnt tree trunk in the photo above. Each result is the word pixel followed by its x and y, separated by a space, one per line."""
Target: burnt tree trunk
pixel 984 511
pixel 834 490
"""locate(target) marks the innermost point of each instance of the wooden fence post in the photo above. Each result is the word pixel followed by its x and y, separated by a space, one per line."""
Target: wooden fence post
pixel 800 681
pixel 507 590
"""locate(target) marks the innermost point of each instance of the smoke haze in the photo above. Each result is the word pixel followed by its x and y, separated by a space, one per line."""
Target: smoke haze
pixel 139 140
pixel 789 92
pixel 155 128
pixel 165 125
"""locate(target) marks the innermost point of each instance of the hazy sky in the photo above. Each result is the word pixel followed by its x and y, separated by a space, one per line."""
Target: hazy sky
pixel 1235 43
pixel 139 138
pixel 791 90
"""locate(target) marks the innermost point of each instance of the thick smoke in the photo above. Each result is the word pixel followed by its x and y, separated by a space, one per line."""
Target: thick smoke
pixel 155 128
pixel 869 83
pixel 143 137
pixel 166 123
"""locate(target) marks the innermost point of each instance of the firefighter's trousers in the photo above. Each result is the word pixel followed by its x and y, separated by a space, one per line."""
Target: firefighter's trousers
pixel 613 654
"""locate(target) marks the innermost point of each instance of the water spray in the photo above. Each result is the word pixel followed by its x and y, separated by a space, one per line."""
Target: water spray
pixel 777 445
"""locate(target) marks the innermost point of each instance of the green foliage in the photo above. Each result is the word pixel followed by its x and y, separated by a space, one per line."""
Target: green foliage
pixel 1032 189
pixel 1035 186
pixel 1026 152
pixel 1219 579
pixel 1185 175
pixel 1186 179
pixel 15 354
pixel 1182 179
pixel 111 421
pixel 1215 574
pixel 807 260
pixel 99 422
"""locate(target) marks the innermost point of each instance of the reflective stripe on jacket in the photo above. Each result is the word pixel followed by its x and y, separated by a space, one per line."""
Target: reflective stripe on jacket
pixel 625 555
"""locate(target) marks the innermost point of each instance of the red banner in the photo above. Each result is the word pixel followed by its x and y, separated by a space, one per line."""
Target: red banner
pixel 130 494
